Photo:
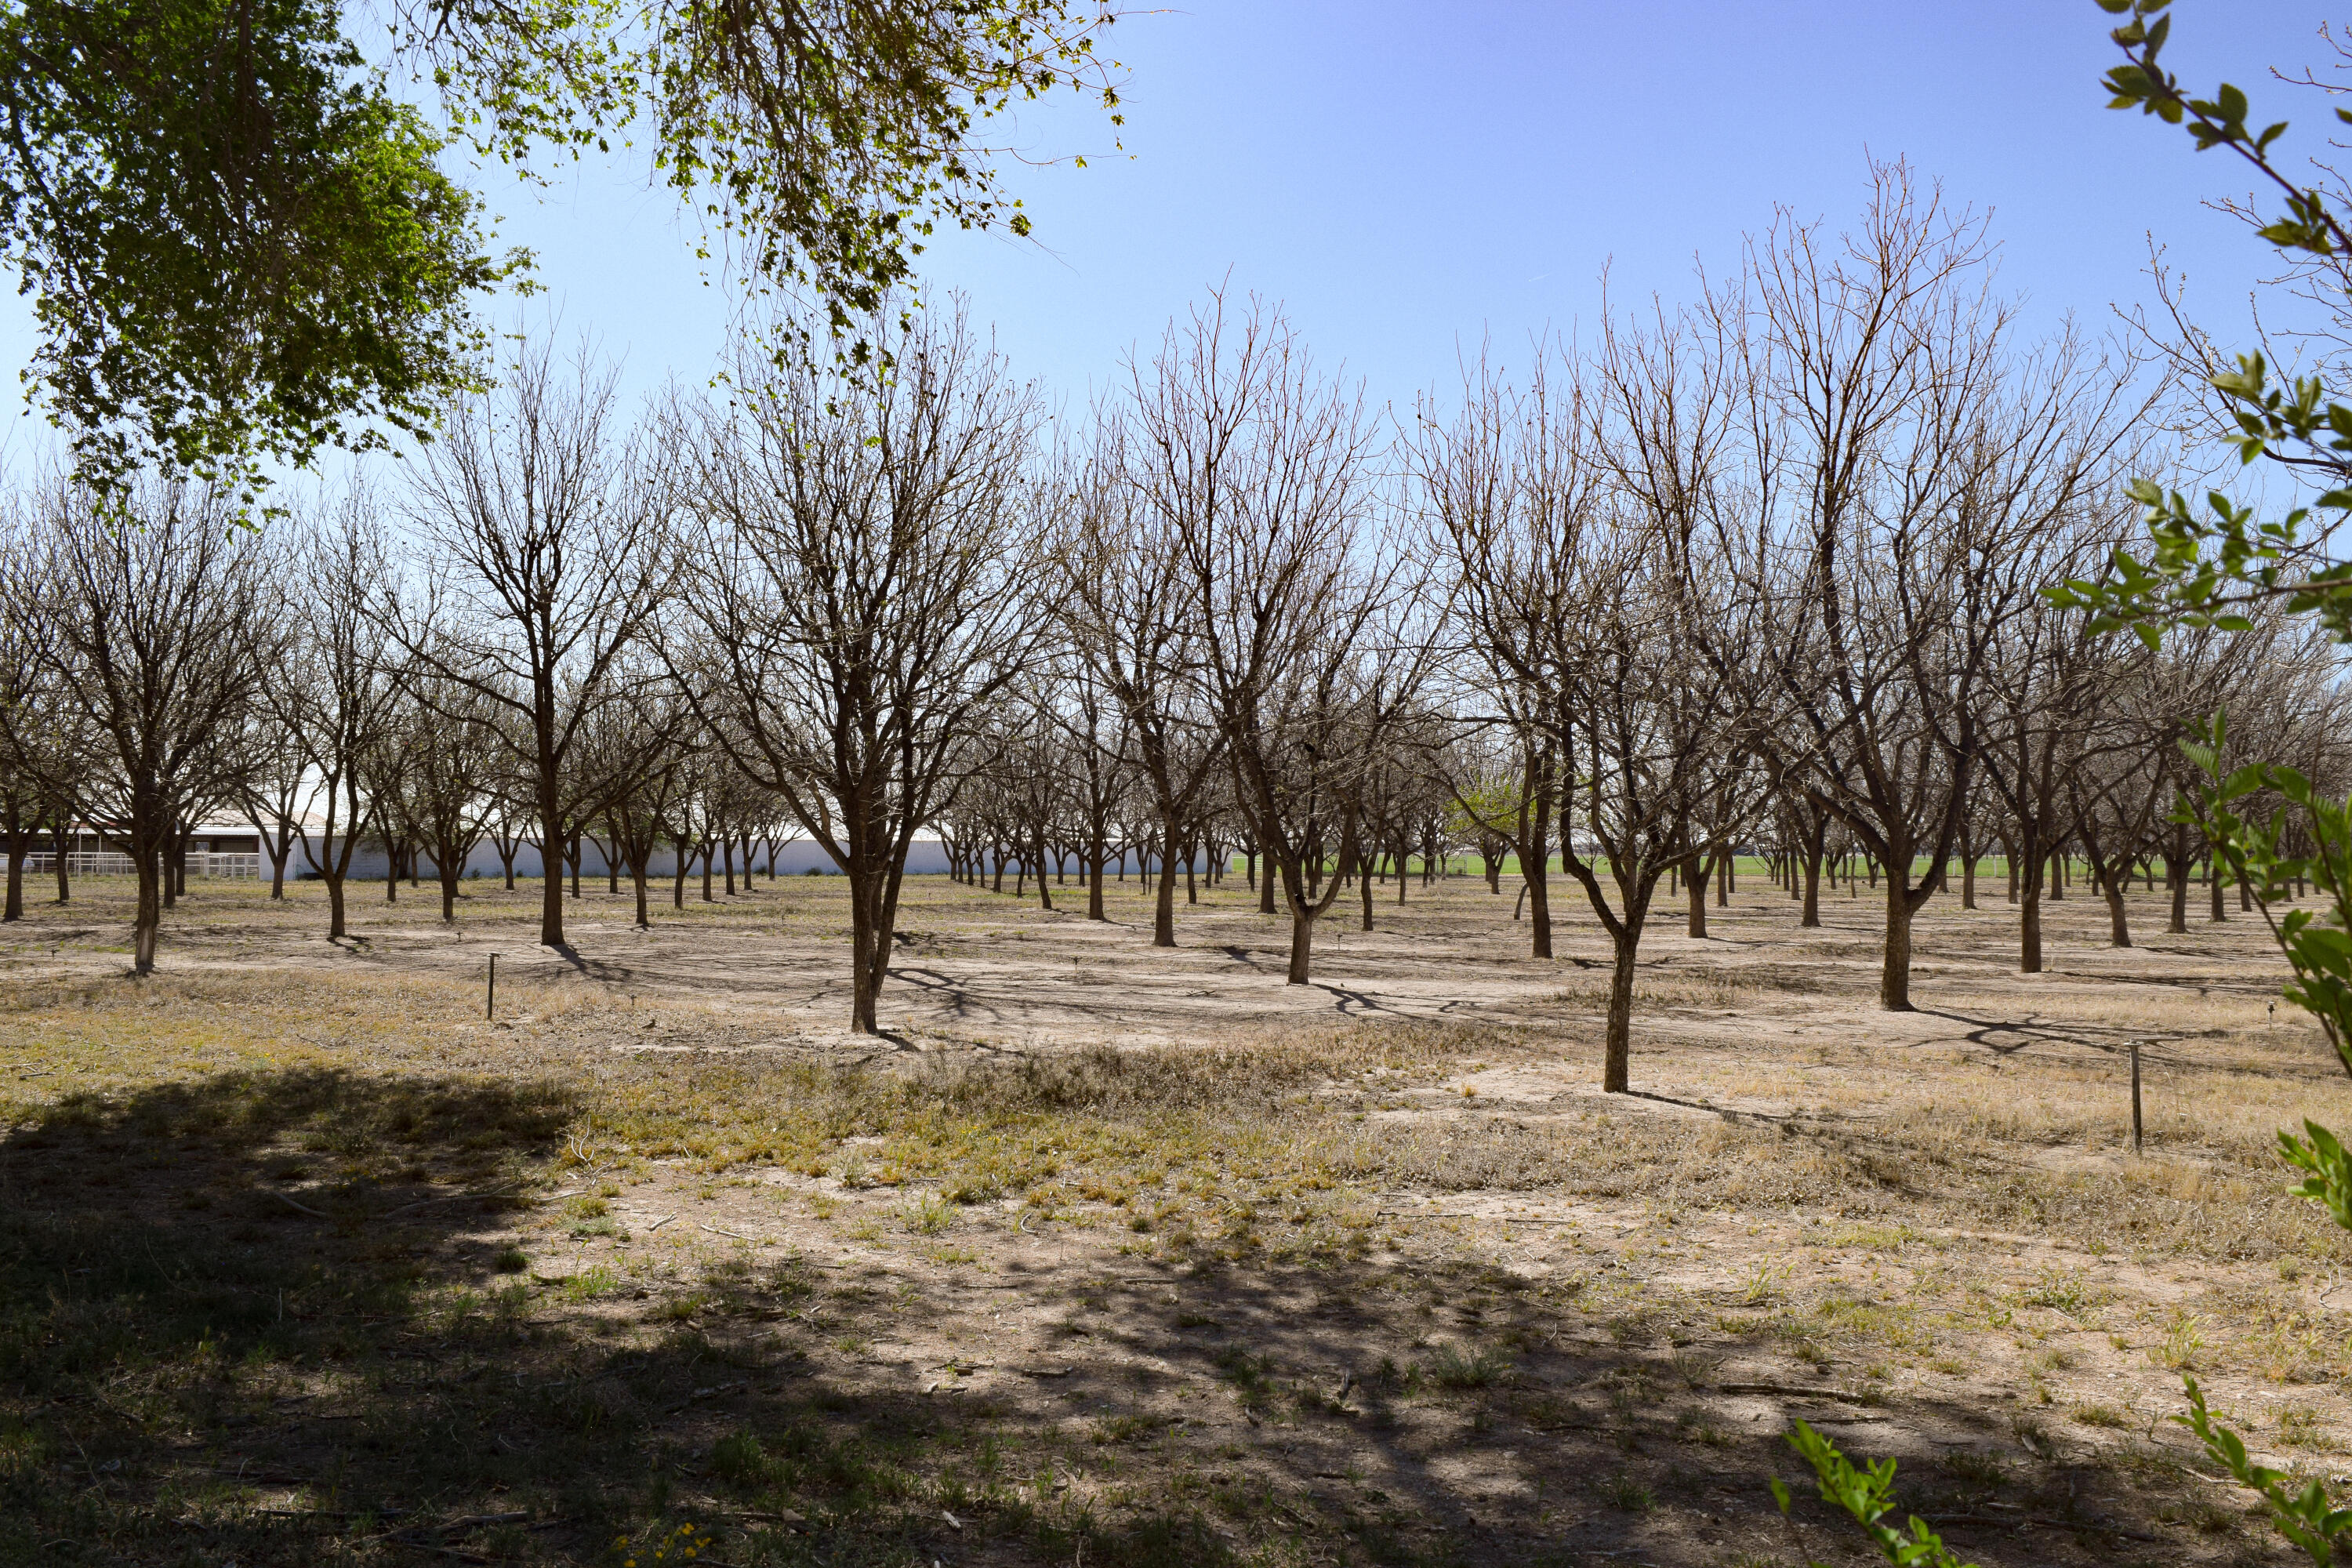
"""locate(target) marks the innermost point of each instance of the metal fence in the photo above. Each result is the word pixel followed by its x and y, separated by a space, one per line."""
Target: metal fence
pixel 114 863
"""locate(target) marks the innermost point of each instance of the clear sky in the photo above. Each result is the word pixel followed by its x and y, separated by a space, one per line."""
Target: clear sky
pixel 1408 178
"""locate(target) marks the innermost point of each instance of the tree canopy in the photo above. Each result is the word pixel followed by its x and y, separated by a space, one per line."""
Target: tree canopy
pixel 242 246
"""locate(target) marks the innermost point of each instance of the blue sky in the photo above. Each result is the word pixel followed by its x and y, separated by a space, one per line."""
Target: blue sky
pixel 1408 178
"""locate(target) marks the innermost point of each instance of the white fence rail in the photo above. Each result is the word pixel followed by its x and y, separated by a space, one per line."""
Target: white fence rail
pixel 114 863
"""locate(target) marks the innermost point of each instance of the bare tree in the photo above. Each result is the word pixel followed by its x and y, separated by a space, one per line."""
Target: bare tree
pixel 145 605
pixel 549 558
pixel 1510 485
pixel 1132 613
pixel 1576 521
pixel 651 746
pixel 335 698
pixel 1309 641
pixel 29 755
pixel 862 553
pixel 1103 766
pixel 274 791
pixel 447 746
pixel 1898 457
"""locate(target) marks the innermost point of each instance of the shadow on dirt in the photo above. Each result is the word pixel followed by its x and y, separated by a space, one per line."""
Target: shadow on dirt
pixel 280 1320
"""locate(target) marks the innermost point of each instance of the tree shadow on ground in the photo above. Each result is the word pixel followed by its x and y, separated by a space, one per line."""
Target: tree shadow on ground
pixel 279 1319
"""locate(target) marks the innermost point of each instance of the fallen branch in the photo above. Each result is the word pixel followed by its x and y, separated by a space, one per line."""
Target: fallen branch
pixel 1791 1391
pixel 471 1521
pixel 450 1197
pixel 289 1202
pixel 325 1513
pixel 2043 1521
pixel 711 1392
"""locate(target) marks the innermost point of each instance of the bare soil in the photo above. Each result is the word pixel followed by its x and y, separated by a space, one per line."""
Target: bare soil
pixel 1112 1254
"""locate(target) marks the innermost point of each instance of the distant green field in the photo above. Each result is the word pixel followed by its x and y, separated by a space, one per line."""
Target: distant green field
pixel 1744 868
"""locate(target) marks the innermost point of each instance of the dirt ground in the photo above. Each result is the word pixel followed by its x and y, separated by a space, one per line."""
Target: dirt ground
pixel 1111 1255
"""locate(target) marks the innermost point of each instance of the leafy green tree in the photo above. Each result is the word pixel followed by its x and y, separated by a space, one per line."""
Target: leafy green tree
pixel 239 245
pixel 242 248
pixel 822 141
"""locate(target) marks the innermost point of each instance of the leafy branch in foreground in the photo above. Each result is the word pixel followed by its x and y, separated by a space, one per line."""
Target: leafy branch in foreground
pixel 2317 943
pixel 1868 1497
pixel 2303 1517
pixel 241 246
pixel 2206 566
pixel 821 142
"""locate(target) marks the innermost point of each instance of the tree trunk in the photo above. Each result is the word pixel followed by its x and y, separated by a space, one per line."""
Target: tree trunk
pixel 1895 974
pixel 449 874
pixel 551 871
pixel 864 983
pixel 150 916
pixel 637 865
pixel 1811 917
pixel 2118 923
pixel 14 907
pixel 1695 880
pixel 1617 1050
pixel 2029 909
pixel 1163 902
pixel 1539 888
pixel 1302 943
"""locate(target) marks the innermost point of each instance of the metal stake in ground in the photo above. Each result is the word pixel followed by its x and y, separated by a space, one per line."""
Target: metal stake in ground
pixel 2134 1051
pixel 490 1010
